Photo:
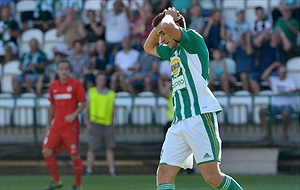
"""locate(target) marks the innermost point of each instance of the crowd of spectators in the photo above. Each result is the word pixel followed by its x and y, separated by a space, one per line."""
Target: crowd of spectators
pixel 110 41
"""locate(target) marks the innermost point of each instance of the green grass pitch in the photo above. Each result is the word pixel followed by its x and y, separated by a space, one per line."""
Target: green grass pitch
pixel 147 182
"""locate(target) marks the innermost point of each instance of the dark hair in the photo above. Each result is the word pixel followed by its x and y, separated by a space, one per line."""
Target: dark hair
pixel 65 61
pixel 258 8
pixel 160 16
pixel 213 11
pixel 77 41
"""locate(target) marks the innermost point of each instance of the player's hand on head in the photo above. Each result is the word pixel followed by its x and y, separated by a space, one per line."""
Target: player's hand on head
pixel 173 12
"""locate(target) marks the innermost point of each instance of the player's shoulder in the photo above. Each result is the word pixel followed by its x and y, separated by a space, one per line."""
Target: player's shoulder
pixel 74 82
pixel 191 33
pixel 54 83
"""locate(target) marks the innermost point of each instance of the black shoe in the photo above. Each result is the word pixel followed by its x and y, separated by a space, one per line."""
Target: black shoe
pixel 74 187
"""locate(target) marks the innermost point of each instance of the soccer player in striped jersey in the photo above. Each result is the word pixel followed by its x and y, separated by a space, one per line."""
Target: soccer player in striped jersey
pixel 194 131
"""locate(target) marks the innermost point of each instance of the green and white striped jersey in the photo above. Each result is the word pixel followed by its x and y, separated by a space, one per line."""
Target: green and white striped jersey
pixel 190 75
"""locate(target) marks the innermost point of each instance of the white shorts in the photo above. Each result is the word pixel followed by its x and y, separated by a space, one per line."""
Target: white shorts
pixel 197 136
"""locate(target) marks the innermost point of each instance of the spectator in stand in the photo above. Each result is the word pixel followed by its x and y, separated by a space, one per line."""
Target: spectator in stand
pixel 161 5
pixel 261 23
pixel 102 62
pixel 81 63
pixel 214 31
pixel 50 74
pixel 94 30
pixel 208 6
pixel 293 4
pixel 44 11
pixel 64 5
pixel 239 27
pixel 218 72
pixel 284 105
pixel 196 20
pixel 100 117
pixel 272 47
pixel 32 66
pixel 4 3
pixel 243 55
pixel 145 73
pixel 117 24
pixel 124 65
pixel 77 5
pixel 142 24
pixel 165 90
pixel 9 32
pixel 288 24
pixel 164 72
pixel 71 28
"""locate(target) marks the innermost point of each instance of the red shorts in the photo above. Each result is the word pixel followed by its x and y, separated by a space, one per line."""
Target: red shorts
pixel 66 138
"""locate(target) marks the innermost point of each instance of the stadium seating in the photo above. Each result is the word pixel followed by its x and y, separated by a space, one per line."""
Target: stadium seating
pixel 9 70
pixel 42 110
pixel 229 8
pixel 7 103
pixel 240 106
pixel 123 105
pixel 27 36
pixel 51 39
pixel 223 101
pixel 24 110
pixel 22 6
pixel 293 70
pixel 161 111
pixel 260 101
pixel 143 108
pixel 92 5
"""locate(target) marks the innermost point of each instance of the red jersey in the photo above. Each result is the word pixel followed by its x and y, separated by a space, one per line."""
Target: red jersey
pixel 65 98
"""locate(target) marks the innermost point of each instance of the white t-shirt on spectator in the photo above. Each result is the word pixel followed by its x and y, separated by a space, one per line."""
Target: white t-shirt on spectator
pixel 117 27
pixel 278 86
pixel 260 26
pixel 126 60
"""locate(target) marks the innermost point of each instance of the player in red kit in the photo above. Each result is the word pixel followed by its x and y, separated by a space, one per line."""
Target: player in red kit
pixel 63 125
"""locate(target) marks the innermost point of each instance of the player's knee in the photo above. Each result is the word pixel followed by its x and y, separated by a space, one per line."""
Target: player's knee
pixel 213 179
pixel 47 152
pixel 164 175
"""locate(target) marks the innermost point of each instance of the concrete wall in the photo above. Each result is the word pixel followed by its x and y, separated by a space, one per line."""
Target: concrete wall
pixel 250 161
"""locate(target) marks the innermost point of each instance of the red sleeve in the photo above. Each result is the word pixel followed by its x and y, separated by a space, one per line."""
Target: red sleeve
pixel 51 98
pixel 80 92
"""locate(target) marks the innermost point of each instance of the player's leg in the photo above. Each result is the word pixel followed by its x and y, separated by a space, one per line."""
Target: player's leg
pixel 71 144
pixel 209 155
pixel 175 154
pixel 212 175
pixel 51 142
pixel 77 169
pixel 166 175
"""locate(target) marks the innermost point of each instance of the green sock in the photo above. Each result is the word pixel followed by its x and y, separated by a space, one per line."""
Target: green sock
pixel 229 184
pixel 165 186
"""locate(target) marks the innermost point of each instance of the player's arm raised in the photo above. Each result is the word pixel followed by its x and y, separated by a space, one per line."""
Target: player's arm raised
pixel 151 43
pixel 168 24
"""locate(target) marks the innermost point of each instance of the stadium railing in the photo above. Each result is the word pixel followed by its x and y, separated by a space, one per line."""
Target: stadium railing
pixel 23 120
